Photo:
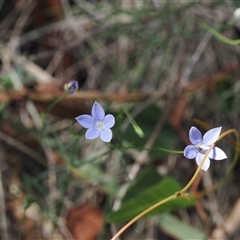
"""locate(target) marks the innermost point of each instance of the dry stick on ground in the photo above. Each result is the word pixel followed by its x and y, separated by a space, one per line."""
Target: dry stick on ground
pixel 25 12
pixel 7 55
pixel 82 23
pixel 54 27
pixel 75 43
pixel 88 63
pixel 19 146
pixel 194 59
pixel 81 32
pixel 229 226
pixel 55 61
pixel 10 19
pixel 40 32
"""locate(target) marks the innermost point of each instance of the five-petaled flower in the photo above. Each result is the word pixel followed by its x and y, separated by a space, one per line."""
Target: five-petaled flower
pixel 71 87
pixel 98 125
pixel 202 144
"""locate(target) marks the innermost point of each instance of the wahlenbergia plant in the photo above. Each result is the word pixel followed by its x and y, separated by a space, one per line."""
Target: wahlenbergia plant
pixel 202 149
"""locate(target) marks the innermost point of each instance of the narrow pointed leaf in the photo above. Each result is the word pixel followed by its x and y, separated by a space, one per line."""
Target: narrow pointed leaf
pixel 158 192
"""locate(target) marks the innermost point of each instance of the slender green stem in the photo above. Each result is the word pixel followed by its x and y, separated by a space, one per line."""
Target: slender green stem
pixel 169 150
pixel 137 129
pixel 52 105
pixel 124 149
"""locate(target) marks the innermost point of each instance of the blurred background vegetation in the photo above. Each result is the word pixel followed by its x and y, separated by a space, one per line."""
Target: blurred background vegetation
pixel 150 58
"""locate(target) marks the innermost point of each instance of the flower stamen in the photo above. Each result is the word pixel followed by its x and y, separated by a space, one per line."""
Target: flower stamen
pixel 99 125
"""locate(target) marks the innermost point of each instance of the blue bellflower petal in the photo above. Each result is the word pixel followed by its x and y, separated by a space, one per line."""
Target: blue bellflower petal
pixel 109 120
pixel 211 136
pixel 106 135
pixel 190 152
pixel 98 112
pixel 206 163
pixel 195 136
pixel 85 121
pixel 217 154
pixel 92 133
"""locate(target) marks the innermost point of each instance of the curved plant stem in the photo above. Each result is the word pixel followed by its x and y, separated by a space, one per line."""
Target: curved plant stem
pixel 142 214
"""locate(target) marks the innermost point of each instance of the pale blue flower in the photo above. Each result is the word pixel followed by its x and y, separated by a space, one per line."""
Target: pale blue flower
pixel 202 144
pixel 71 87
pixel 98 125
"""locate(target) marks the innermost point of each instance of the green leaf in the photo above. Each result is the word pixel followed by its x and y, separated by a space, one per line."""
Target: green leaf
pixel 165 188
pixel 27 202
pixel 181 230
pixel 144 181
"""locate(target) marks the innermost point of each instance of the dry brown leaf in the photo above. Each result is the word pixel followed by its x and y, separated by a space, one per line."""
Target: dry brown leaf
pixel 84 222
pixel 209 83
pixel 73 105
pixel 7 96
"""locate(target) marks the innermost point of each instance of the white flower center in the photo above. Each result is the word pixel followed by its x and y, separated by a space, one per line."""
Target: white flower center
pixel 201 148
pixel 99 125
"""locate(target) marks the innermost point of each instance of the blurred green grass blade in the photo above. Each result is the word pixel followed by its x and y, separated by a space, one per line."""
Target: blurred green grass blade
pixel 158 192
pixel 136 127
pixel 181 230
pixel 94 175
pixel 147 119
pixel 217 34
pixel 27 202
